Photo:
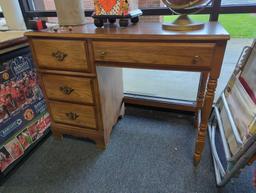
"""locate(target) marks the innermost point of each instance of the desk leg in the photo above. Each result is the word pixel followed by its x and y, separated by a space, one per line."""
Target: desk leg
pixel 200 141
pixel 200 96
pixel 208 100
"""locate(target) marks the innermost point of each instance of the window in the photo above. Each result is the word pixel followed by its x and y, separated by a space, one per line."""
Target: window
pixel 49 4
pixel 239 25
pixel 237 2
pixel 88 4
pixel 161 84
pixel 153 83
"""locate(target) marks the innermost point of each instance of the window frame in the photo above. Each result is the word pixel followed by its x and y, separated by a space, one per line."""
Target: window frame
pixel 214 10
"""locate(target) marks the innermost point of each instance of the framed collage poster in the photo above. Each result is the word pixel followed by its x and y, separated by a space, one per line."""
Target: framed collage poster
pixel 23 114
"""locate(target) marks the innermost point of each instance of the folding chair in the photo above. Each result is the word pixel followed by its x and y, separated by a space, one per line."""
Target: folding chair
pixel 231 149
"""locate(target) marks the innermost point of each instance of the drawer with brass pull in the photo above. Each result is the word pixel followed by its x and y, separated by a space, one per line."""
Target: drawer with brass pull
pixel 61 54
pixel 155 53
pixel 73 114
pixel 68 88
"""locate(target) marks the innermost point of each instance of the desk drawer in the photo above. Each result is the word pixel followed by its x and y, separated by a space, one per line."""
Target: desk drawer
pixel 73 114
pixel 68 88
pixel 162 54
pixel 60 54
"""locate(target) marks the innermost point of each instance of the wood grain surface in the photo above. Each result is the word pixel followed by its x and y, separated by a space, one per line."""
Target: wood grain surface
pixel 157 54
pixel 80 88
pixel 86 114
pixel 75 59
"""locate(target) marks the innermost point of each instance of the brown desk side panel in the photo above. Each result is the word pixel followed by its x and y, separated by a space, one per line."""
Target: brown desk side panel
pixel 110 85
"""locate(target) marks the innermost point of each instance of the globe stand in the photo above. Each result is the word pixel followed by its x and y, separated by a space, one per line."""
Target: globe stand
pixel 182 23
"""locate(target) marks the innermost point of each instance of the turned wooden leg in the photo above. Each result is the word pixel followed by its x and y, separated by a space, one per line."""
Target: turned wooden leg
pixel 200 141
pixel 100 144
pixel 196 119
pixel 200 96
pixel 57 135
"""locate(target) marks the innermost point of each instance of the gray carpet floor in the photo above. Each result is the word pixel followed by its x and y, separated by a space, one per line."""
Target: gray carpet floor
pixel 150 152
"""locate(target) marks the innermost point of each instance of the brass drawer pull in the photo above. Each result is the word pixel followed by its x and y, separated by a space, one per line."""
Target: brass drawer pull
pixel 66 90
pixel 196 59
pixel 103 53
pixel 72 116
pixel 60 56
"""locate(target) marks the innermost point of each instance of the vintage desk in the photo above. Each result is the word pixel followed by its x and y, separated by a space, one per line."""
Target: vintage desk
pixel 85 93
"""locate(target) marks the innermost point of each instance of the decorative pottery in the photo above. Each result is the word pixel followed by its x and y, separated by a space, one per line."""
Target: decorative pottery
pixel 70 12
pixel 115 7
pixel 13 21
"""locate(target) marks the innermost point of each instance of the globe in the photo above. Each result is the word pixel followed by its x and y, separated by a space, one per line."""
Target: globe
pixel 183 22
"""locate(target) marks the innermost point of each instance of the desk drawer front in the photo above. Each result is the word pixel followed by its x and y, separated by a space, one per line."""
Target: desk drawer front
pixel 68 88
pixel 162 54
pixel 60 54
pixel 73 114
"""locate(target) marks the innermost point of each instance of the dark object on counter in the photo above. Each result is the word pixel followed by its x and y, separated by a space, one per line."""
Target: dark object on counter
pixel 37 24
pixel 133 16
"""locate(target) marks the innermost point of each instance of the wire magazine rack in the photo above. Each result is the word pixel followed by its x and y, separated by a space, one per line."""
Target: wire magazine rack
pixel 227 164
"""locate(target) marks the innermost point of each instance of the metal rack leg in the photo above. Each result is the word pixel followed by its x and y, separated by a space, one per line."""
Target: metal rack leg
pixel 241 163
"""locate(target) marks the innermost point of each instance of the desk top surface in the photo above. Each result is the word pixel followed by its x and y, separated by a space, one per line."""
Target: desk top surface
pixel 11 38
pixel 142 30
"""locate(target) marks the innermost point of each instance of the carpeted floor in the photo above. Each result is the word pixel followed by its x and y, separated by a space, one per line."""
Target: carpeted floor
pixel 150 152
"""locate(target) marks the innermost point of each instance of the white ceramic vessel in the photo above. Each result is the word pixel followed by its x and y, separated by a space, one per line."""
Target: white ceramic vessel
pixel 70 12
pixel 12 14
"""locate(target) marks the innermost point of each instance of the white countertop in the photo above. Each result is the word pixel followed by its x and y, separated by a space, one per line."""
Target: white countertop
pixel 9 35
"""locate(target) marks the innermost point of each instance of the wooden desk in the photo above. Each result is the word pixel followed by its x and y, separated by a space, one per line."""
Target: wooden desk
pixel 85 93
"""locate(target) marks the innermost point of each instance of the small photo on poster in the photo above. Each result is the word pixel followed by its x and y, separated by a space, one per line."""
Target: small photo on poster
pixel 43 123
pixel 14 148
pixel 33 131
pixel 5 159
pixel 47 119
pixel 25 139
pixel 3 111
